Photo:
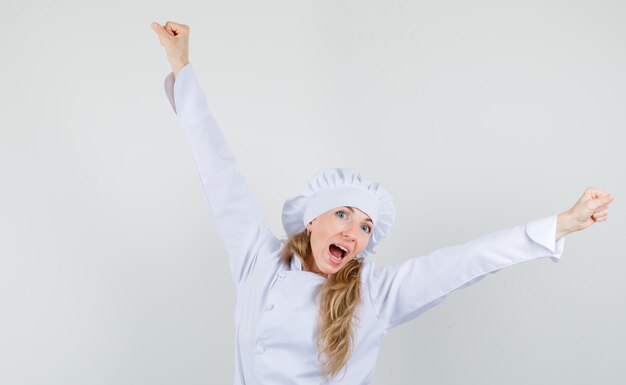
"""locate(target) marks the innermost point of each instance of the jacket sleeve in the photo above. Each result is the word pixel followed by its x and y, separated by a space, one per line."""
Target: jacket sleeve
pixel 401 292
pixel 236 214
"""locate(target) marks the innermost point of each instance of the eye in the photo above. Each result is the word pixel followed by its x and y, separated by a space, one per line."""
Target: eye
pixel 366 228
pixel 341 214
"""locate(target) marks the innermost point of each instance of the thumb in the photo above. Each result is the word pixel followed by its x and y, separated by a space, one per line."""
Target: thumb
pixel 160 31
pixel 600 201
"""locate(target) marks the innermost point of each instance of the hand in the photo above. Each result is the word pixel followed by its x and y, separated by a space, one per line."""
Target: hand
pixel 175 38
pixel 592 207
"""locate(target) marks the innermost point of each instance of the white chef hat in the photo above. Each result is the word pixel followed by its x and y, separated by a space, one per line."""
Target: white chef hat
pixel 340 187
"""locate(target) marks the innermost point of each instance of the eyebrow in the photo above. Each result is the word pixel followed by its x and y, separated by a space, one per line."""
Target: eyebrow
pixel 352 211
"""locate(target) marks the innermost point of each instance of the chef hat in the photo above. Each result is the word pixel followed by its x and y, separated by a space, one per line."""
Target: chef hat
pixel 340 187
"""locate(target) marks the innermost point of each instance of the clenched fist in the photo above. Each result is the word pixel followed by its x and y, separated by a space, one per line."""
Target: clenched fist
pixel 592 207
pixel 174 38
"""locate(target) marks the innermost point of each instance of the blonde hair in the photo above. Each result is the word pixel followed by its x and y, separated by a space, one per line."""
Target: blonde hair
pixel 340 296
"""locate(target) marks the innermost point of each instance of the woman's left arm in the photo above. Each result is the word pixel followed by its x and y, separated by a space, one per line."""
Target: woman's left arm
pixel 401 292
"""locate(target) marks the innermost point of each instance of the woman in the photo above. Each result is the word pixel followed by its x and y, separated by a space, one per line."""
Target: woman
pixel 314 309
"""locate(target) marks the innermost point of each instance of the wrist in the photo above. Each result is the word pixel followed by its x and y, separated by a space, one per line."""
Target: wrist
pixel 178 65
pixel 564 224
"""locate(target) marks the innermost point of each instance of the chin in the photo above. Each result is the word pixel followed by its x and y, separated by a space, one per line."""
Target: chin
pixel 332 269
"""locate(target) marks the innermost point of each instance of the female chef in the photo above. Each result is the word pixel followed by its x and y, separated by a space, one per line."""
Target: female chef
pixel 314 309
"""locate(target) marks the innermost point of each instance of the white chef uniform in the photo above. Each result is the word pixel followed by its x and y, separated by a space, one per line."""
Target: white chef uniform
pixel 276 311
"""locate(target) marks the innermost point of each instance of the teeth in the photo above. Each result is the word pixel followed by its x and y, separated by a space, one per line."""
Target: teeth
pixel 342 248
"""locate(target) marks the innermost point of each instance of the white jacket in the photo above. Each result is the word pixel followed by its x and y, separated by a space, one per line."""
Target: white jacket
pixel 277 306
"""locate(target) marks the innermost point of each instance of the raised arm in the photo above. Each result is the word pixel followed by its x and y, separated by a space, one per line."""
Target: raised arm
pixel 236 214
pixel 402 292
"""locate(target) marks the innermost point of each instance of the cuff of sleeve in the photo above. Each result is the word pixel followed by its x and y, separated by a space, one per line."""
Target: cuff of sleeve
pixel 186 95
pixel 543 232
pixel 169 89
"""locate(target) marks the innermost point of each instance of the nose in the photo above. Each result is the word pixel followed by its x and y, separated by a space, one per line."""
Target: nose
pixel 350 231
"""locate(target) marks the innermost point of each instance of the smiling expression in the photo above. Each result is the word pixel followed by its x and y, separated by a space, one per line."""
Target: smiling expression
pixel 337 236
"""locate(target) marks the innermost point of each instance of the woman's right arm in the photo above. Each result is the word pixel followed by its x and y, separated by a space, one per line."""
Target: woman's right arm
pixel 236 214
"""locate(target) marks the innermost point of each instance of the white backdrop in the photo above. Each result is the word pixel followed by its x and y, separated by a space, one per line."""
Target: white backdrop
pixel 475 116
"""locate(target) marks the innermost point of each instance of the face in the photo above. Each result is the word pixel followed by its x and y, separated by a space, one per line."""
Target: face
pixel 337 236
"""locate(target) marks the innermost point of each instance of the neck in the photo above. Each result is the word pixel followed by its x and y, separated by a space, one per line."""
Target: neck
pixel 309 265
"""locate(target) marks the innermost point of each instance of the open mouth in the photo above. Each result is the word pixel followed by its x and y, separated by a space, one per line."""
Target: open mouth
pixel 337 253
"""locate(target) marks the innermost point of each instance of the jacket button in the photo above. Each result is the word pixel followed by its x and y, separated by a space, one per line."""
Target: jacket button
pixel 269 307
pixel 259 348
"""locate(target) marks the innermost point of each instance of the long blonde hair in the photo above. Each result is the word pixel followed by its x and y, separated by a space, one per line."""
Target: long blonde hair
pixel 340 296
